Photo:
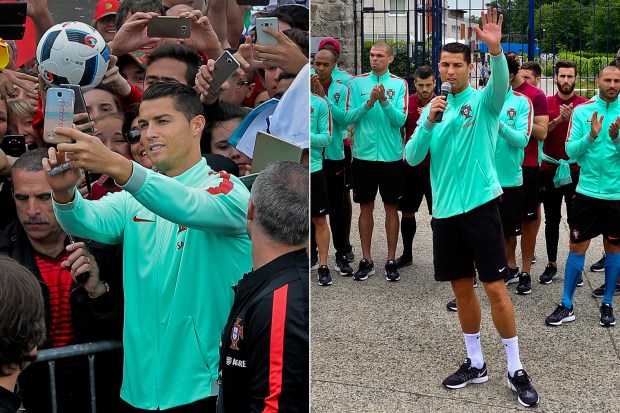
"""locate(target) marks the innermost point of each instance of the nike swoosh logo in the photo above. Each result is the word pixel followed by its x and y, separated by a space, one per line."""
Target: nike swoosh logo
pixel 502 269
pixel 338 173
pixel 529 214
pixel 365 94
pixel 321 211
pixel 136 219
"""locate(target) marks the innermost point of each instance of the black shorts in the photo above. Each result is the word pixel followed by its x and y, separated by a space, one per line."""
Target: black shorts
pixel 368 176
pixel 510 205
pixel 591 217
pixel 417 184
pixel 347 168
pixel 319 204
pixel 531 183
pixel 473 237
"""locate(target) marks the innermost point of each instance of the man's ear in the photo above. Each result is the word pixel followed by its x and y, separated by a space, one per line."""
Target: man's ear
pixel 250 210
pixel 198 124
pixel 250 90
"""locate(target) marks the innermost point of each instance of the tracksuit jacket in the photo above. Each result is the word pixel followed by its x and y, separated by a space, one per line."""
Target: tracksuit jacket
pixel 515 127
pixel 337 99
pixel 377 129
pixel 185 245
pixel 320 131
pixel 462 146
pixel 264 353
pixel 598 158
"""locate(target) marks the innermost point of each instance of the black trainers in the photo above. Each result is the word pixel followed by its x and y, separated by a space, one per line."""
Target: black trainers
pixel 534 259
pixel 600 291
pixel 560 315
pixel 343 267
pixel 391 271
pixel 451 306
pixel 364 270
pixel 324 275
pixel 550 274
pixel 403 261
pixel 598 266
pixel 349 254
pixel 466 374
pixel 607 316
pixel 314 264
pixel 512 276
pixel 521 384
pixel 525 284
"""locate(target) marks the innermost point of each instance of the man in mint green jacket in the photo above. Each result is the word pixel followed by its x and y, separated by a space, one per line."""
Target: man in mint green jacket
pixel 467 233
pixel 377 105
pixel 594 142
pixel 184 245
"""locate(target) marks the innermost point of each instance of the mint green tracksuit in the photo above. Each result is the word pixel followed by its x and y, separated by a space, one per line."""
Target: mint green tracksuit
pixel 184 246
pixel 320 131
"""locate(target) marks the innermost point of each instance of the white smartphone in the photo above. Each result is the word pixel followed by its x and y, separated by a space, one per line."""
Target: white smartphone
pixel 262 37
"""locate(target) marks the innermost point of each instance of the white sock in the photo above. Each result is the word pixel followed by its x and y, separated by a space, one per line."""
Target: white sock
pixel 511 345
pixel 474 350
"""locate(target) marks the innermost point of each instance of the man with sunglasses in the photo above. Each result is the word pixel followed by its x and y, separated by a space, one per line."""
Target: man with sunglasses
pixel 184 229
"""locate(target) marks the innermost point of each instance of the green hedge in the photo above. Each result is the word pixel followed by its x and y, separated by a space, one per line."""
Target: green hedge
pixel 588 64
pixel 401 60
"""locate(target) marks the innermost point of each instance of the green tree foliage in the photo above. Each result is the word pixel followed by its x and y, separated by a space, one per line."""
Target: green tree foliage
pixel 564 25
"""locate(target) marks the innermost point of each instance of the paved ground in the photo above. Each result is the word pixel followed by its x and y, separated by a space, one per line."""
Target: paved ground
pixel 386 347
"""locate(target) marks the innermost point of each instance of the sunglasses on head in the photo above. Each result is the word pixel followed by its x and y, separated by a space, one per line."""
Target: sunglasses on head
pixel 133 135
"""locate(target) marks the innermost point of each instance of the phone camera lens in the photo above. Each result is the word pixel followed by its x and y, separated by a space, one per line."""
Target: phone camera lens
pixel 59 94
pixel 228 61
pixel 183 27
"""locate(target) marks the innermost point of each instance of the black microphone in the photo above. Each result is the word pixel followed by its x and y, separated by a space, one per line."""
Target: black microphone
pixel 446 88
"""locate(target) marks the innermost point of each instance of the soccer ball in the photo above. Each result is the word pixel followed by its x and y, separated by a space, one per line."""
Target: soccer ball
pixel 73 53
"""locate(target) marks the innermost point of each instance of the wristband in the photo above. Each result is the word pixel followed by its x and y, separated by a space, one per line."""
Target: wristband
pixel 105 284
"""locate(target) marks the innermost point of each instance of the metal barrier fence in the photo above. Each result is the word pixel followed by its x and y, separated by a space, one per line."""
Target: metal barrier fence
pixel 87 349
pixel 585 31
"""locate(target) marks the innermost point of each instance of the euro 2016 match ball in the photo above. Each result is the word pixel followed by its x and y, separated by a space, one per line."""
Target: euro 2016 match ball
pixel 72 53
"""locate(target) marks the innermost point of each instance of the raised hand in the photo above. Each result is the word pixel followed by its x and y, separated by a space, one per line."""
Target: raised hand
pixel 203 36
pixel 132 34
pixel 613 129
pixel 80 261
pixel 491 31
pixel 596 124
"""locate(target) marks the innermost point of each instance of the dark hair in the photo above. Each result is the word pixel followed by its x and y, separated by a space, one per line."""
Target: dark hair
pixel 300 38
pixel 22 315
pixel 458 48
pixel 182 54
pixel 280 198
pixel 513 62
pixel 131 113
pixel 185 99
pixel 388 47
pixel 423 72
pixel 31 161
pixel 133 6
pixel 564 64
pixel 111 91
pixel 295 16
pixel 534 67
pixel 109 115
pixel 225 111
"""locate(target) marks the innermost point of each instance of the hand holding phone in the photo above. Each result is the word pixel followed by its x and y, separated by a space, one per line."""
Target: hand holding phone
pixel 169 27
pixel 262 37
pixel 224 67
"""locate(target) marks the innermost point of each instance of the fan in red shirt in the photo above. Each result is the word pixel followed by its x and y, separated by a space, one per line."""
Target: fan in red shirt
pixel 416 178
pixel 561 107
